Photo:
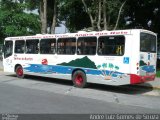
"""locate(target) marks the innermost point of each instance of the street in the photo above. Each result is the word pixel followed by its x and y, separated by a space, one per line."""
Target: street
pixel 34 95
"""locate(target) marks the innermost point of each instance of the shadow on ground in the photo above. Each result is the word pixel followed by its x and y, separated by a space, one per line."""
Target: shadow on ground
pixel 125 89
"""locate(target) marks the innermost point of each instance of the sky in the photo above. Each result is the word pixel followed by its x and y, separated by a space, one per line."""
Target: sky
pixel 61 29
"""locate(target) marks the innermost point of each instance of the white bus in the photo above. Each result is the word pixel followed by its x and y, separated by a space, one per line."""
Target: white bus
pixel 118 57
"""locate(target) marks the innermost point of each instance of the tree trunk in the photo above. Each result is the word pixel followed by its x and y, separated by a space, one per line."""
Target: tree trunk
pixel 99 15
pixel 54 18
pixel 43 16
pixel 104 15
pixel 89 13
pixel 119 14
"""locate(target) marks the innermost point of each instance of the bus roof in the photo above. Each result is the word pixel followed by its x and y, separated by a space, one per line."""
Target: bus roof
pixel 79 34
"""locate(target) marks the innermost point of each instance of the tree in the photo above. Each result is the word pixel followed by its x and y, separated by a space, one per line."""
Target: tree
pixel 73 13
pixel 52 16
pixel 104 15
pixel 15 22
pixel 143 14
pixel 95 12
pixel 119 14
pixel 47 10
pixel 43 15
pixel 89 12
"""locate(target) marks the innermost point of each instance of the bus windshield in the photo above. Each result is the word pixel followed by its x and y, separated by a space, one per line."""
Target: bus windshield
pixel 147 43
pixel 8 49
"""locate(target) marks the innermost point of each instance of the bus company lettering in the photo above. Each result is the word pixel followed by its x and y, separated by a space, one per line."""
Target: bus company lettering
pixel 101 33
pixel 61 36
pixel 84 34
pixel 25 58
pixel 120 32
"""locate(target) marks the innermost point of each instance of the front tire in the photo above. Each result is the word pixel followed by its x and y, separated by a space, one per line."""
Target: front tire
pixel 79 79
pixel 19 72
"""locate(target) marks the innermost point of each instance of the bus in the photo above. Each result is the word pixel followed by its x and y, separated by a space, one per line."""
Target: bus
pixel 119 57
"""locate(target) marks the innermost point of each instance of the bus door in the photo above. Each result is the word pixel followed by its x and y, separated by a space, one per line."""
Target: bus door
pixel 7 56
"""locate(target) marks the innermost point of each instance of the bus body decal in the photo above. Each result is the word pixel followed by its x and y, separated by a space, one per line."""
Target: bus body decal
pixel 57 69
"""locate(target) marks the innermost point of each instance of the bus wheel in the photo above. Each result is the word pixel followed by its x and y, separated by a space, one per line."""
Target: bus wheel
pixel 19 72
pixel 79 79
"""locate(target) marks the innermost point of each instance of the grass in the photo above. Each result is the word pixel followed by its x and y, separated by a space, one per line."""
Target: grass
pixel 158 73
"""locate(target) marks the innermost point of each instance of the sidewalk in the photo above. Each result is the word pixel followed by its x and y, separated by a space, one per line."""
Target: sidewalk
pixel 152 84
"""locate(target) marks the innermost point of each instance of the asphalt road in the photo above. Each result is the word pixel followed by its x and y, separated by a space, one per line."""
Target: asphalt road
pixel 34 95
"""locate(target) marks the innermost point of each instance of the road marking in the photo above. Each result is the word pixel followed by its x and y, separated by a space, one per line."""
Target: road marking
pixel 116 98
pixel 70 89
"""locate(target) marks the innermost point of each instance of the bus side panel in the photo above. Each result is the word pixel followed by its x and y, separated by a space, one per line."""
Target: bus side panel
pixel 111 70
pixel 135 44
pixel 8 63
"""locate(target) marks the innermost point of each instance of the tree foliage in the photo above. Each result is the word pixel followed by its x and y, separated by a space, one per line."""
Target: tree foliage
pixel 15 22
pixel 47 10
pixel 73 13
pixel 133 14
pixel 92 14
pixel 143 14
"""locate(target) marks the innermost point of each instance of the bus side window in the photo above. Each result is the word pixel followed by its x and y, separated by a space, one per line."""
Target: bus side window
pixel 47 46
pixel 32 46
pixel 86 45
pixel 8 48
pixel 19 46
pixel 113 45
pixel 66 46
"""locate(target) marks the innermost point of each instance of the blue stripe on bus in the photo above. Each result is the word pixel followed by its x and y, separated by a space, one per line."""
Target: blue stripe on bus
pixel 49 69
